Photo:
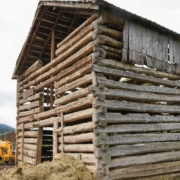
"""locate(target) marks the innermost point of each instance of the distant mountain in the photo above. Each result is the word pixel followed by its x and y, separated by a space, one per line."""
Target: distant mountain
pixel 5 129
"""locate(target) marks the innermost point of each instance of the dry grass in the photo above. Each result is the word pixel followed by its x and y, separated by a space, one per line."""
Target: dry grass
pixel 63 167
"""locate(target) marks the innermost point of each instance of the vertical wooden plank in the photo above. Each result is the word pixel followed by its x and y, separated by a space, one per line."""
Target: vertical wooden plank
pixel 55 138
pixel 62 135
pixel 39 145
pixel 171 51
pixel 165 48
pixel 125 41
pixel 138 56
pixel 22 143
pixel 52 57
pixel 132 42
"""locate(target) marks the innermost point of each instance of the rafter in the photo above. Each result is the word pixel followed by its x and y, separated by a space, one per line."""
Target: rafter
pixel 49 36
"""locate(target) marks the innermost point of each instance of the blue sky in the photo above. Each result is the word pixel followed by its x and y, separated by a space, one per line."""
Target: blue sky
pixel 15 20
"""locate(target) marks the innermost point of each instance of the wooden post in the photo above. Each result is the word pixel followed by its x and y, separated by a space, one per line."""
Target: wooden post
pixel 52 57
pixel 62 136
pixel 55 138
pixel 39 145
pixel 22 145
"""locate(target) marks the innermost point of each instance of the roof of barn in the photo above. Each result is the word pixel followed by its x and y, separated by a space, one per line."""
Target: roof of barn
pixel 37 38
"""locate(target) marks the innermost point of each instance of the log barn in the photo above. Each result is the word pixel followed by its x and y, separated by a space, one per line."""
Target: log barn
pixel 102 84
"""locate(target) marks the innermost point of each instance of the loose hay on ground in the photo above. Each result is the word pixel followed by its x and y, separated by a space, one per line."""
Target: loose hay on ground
pixel 63 167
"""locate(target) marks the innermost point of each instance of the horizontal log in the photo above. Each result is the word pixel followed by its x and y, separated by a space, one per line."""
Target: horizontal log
pixel 79 82
pixel 28 146
pixel 30 106
pixel 126 150
pixel 138 107
pixel 73 68
pixel 139 70
pixel 105 40
pixel 28 153
pixel 80 138
pixel 77 148
pixel 35 97
pixel 28 134
pixel 85 158
pixel 27 93
pixel 76 38
pixel 37 65
pixel 116 118
pixel 81 103
pixel 31 112
pixel 27 159
pixel 79 29
pixel 132 75
pixel 138 96
pixel 103 82
pixel 145 171
pixel 101 29
pixel 125 128
pixel 74 76
pixel 110 17
pixel 46 71
pixel 73 96
pixel 79 115
pixel 25 119
pixel 121 139
pixel 27 140
pixel 144 159
pixel 80 128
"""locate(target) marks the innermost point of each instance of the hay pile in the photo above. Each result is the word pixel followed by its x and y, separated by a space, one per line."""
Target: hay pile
pixel 63 167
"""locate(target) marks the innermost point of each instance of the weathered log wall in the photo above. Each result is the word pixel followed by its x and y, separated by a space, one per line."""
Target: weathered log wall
pixel 139 108
pixel 119 119
pixel 146 46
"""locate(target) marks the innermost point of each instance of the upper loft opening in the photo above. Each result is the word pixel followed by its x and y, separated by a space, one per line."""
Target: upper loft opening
pixel 38 43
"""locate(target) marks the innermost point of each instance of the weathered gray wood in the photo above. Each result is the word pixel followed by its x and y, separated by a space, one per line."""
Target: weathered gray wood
pixel 105 40
pixel 75 67
pixel 28 159
pixel 102 81
pixel 145 171
pixel 30 106
pixel 35 97
pixel 85 157
pixel 77 83
pixel 144 78
pixel 144 159
pixel 108 31
pixel 73 96
pixel 139 70
pixel 130 128
pixel 126 41
pixel 37 65
pixel 28 146
pixel 116 118
pixel 79 29
pixel 138 107
pixel 31 112
pixel 25 119
pixel 78 148
pixel 28 134
pixel 79 115
pixel 136 138
pixel 28 93
pixel 28 153
pixel 74 76
pixel 138 96
pixel 126 150
pixel 80 128
pixel 28 140
pixel 80 138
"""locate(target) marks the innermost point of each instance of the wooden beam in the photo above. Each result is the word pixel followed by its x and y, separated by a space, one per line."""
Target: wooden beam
pixel 33 37
pixel 78 5
pixel 49 36
pixel 39 145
